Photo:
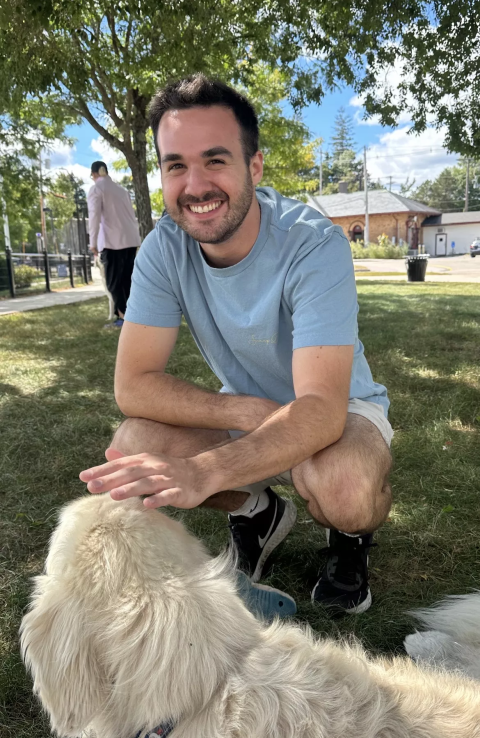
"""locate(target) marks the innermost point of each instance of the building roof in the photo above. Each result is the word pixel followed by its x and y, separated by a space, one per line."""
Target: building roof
pixel 453 219
pixel 379 201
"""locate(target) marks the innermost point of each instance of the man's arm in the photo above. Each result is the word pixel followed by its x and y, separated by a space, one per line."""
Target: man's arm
pixel 144 390
pixel 94 203
pixel 294 432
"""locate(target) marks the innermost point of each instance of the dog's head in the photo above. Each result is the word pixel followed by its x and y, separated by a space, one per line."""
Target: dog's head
pixel 132 622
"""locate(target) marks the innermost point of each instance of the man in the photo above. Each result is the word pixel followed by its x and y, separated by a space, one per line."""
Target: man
pixel 267 286
pixel 114 233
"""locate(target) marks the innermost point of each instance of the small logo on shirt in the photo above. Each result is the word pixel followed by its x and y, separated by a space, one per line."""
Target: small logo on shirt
pixel 254 340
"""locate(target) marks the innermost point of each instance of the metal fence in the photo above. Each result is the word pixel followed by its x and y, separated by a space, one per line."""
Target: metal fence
pixel 51 270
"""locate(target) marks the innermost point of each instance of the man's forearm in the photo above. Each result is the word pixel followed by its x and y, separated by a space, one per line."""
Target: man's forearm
pixel 290 435
pixel 167 399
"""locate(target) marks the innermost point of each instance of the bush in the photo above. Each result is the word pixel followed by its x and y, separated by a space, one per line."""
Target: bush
pixel 24 275
pixel 383 249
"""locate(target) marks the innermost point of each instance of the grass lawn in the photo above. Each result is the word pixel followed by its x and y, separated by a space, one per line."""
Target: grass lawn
pixel 58 413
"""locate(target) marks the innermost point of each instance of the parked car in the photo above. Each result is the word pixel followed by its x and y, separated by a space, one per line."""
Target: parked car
pixel 475 248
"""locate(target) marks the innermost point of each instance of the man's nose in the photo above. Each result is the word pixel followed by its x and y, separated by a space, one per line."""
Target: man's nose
pixel 197 182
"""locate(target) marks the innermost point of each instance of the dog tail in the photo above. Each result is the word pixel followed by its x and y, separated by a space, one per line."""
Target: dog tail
pixel 457 616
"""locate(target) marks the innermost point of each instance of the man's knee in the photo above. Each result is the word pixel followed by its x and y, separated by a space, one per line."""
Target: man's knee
pixel 349 500
pixel 132 435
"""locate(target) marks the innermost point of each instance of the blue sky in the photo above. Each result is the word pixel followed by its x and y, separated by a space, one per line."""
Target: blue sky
pixel 392 153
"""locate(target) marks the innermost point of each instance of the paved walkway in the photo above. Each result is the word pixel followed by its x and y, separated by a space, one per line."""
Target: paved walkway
pixel 449 269
pixel 50 299
pixel 458 268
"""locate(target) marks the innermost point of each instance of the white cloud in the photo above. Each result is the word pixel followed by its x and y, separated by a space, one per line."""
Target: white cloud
pixel 105 152
pixel 60 157
pixel 396 153
pixel 109 155
pixel 399 155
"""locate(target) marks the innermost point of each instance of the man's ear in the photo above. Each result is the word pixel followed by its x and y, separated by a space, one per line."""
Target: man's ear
pixel 256 167
pixel 61 656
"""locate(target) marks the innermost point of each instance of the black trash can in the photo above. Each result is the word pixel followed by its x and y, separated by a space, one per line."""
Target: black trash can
pixel 416 267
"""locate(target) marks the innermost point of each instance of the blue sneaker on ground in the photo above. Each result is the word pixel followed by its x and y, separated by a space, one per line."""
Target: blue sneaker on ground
pixel 265 602
pixel 116 323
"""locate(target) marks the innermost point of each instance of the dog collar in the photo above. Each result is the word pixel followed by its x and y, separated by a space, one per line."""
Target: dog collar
pixel 161 731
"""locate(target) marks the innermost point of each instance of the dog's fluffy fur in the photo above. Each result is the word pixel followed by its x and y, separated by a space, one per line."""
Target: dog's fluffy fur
pixel 133 624
pixel 452 640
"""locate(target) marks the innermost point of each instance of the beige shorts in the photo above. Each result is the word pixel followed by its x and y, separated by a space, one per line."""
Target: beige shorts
pixel 369 410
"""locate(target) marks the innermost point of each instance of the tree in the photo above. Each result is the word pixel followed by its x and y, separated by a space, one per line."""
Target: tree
pixel 19 195
pixel 64 196
pixel 289 154
pixel 430 70
pixel 102 61
pixel 343 138
pixel 447 191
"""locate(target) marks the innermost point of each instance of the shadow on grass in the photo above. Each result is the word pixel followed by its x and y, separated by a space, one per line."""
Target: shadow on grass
pixel 57 415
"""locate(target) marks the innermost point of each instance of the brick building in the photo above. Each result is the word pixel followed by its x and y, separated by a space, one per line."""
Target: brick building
pixel 398 217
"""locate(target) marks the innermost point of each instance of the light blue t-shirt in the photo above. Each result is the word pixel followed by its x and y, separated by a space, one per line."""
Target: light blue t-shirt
pixel 295 288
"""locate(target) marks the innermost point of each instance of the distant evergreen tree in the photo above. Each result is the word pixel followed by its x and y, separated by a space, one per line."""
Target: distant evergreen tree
pixel 342 163
pixel 343 138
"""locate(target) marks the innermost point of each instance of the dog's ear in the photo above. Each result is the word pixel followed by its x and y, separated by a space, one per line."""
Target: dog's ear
pixel 61 656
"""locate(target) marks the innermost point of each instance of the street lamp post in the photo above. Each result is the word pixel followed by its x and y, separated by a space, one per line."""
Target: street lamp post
pixel 54 240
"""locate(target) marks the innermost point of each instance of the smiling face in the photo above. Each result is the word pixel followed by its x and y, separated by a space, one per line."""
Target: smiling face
pixel 208 188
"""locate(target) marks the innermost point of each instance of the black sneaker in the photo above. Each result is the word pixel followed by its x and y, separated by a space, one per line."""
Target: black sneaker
pixel 343 584
pixel 256 537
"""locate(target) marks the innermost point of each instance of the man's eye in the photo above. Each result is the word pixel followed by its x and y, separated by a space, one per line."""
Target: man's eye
pixel 174 166
pixel 217 161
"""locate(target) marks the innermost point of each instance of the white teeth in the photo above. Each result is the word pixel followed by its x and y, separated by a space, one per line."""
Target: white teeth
pixel 205 208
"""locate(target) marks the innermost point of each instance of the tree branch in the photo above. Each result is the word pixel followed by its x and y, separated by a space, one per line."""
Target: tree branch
pixel 108 103
pixel 128 115
pixel 127 36
pixel 115 42
pixel 84 111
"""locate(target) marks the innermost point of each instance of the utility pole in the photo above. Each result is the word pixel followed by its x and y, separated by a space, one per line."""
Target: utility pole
pixel 6 227
pixel 366 233
pixel 321 172
pixel 42 214
pixel 390 186
pixel 466 185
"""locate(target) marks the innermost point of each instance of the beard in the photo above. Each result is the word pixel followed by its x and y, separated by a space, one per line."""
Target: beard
pixel 218 232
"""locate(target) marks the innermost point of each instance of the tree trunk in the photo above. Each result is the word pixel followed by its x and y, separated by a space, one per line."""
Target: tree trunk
pixel 137 161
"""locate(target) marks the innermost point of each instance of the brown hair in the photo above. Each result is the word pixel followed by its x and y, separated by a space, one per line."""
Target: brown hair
pixel 198 90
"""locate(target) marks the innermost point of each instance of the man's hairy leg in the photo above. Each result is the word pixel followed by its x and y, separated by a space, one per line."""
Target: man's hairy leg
pixel 139 435
pixel 346 484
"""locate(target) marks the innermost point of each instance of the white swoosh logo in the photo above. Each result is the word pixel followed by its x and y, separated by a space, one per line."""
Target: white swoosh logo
pixel 262 541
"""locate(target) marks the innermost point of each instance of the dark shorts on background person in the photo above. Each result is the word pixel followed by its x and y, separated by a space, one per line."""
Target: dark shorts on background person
pixel 118 266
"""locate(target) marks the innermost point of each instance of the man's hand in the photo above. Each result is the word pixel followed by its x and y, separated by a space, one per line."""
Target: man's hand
pixel 94 250
pixel 167 480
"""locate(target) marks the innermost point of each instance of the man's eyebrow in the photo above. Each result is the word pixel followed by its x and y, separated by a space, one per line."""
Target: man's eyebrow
pixel 171 157
pixel 215 151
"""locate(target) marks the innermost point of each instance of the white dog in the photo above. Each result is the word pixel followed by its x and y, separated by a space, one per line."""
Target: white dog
pixel 133 628
pixel 453 639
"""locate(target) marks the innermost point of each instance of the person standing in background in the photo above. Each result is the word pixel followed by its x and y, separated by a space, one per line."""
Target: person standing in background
pixel 114 235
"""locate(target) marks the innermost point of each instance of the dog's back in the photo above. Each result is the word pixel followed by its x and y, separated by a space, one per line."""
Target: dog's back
pixel 452 638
